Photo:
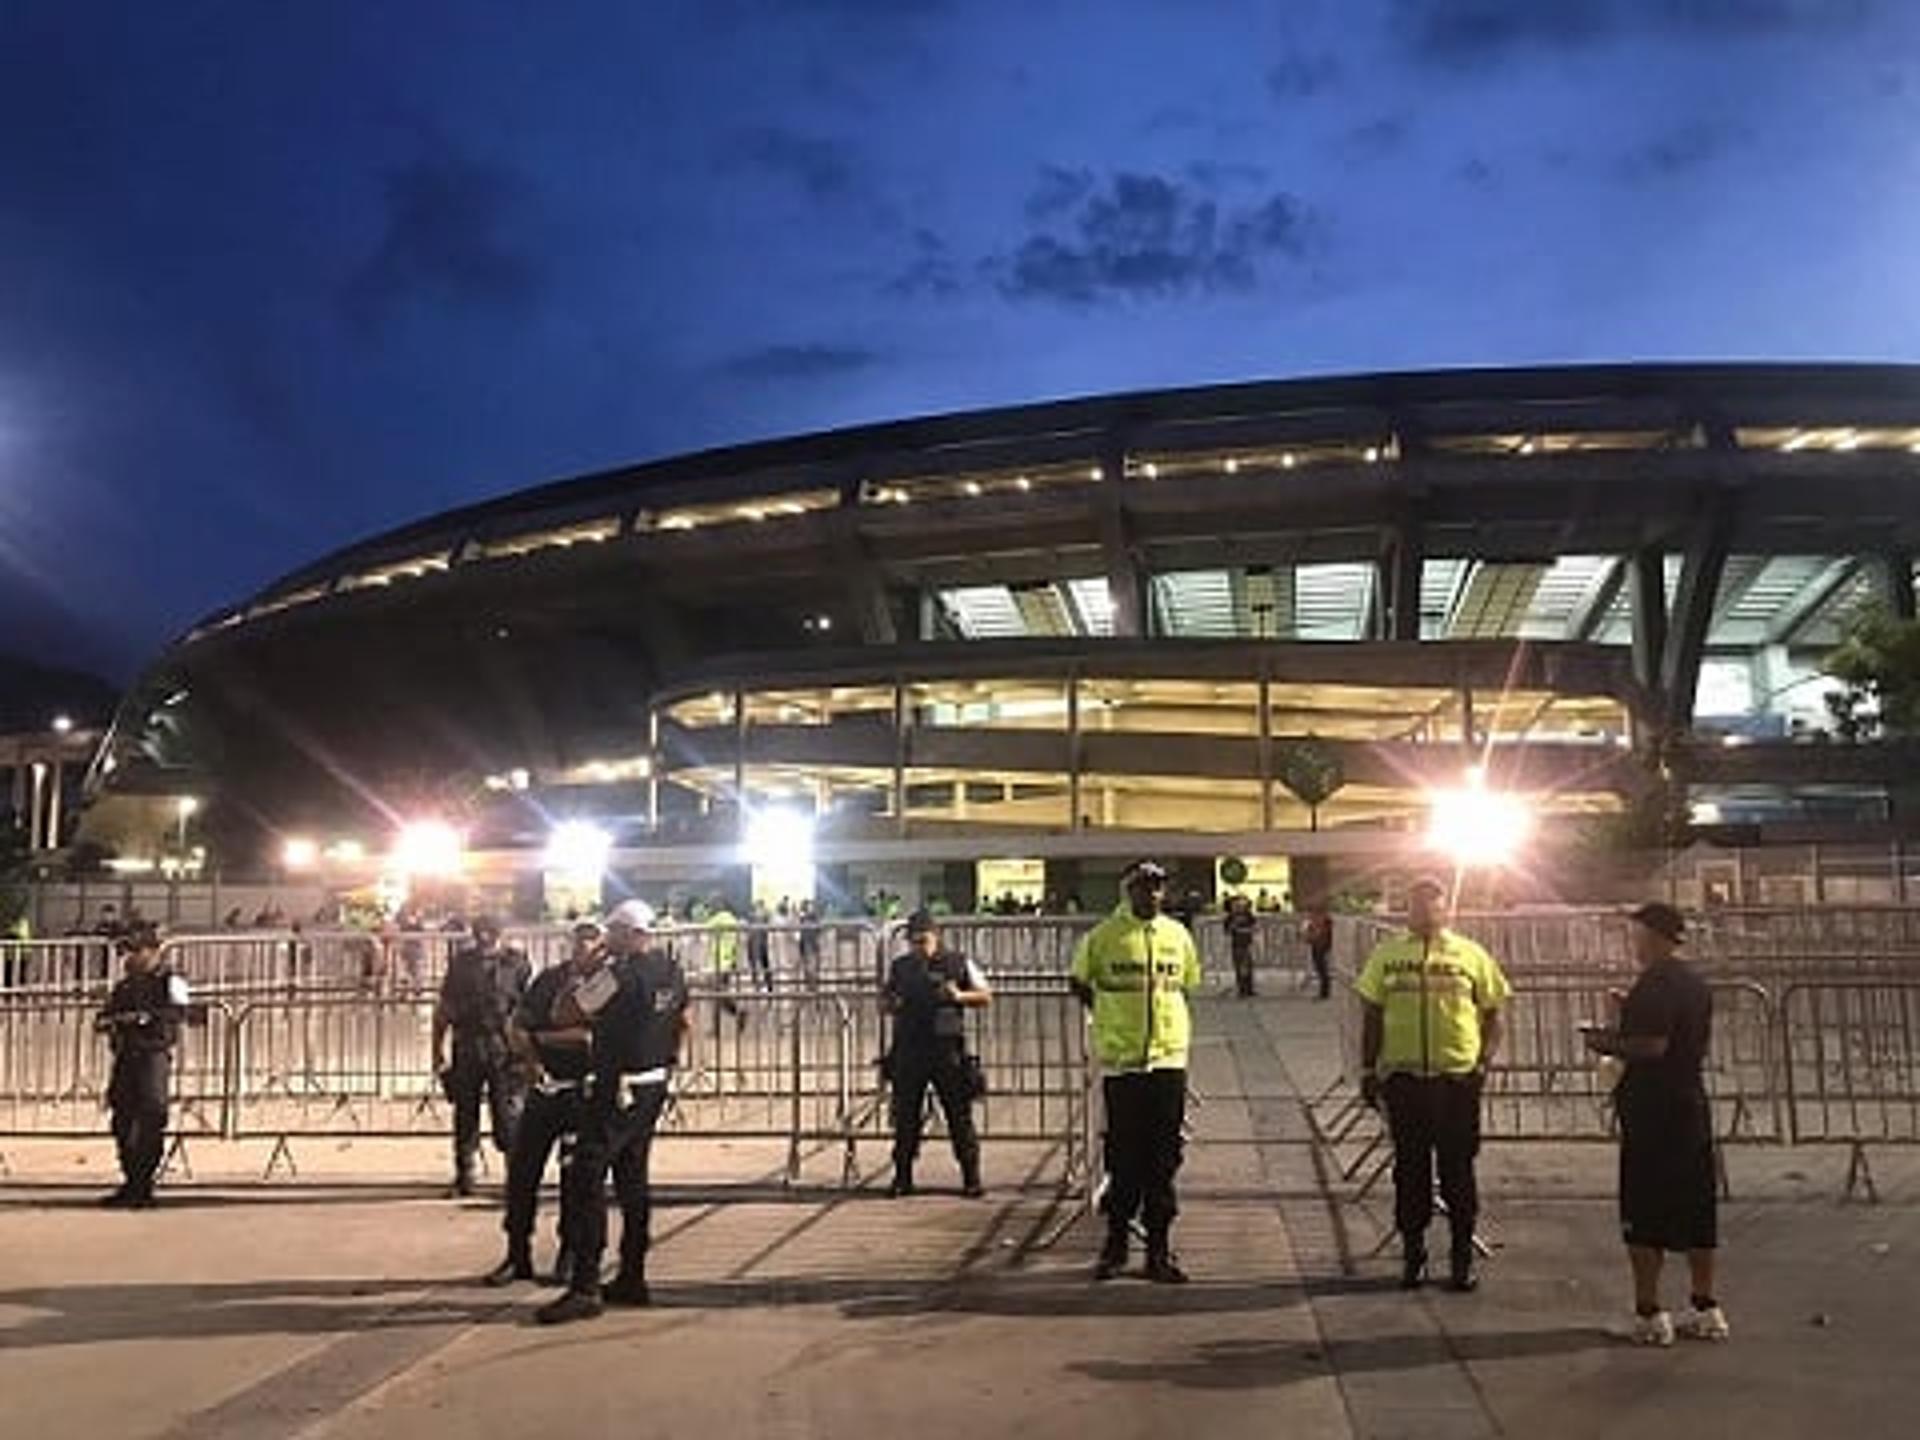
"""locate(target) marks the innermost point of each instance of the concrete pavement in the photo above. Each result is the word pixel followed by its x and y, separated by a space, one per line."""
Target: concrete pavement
pixel 342 1306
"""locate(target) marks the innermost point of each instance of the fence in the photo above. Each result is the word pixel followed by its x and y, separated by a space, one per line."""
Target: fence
pixel 798 1067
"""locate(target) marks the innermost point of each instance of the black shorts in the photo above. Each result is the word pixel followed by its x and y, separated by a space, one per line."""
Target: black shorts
pixel 1669 1188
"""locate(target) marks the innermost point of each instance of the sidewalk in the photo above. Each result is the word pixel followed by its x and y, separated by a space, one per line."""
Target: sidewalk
pixel 331 1309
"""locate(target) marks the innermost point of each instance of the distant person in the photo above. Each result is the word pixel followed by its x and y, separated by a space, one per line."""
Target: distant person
pixel 483 986
pixel 1431 1024
pixel 1241 925
pixel 810 944
pixel 928 992
pixel 760 947
pixel 233 920
pixel 1318 933
pixel 723 956
pixel 1668 1195
pixel 141 1021
pixel 1134 970
pixel 108 926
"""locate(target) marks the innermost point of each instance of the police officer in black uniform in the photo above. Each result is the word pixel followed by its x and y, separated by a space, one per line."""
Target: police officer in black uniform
pixel 928 992
pixel 551 1036
pixel 141 1020
pixel 638 1032
pixel 482 989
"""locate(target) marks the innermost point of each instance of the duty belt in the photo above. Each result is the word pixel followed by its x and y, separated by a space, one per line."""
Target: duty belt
pixel 548 1085
pixel 656 1076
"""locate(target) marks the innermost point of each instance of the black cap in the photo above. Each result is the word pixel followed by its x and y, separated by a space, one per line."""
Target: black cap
pixel 1144 870
pixel 921 922
pixel 1662 920
pixel 484 925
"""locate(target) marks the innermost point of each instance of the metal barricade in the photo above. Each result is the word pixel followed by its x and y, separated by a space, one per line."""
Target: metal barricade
pixel 78 965
pixel 1852 1068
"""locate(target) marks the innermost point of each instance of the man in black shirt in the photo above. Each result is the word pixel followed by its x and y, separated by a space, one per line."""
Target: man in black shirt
pixel 638 1029
pixel 1241 925
pixel 928 991
pixel 482 988
pixel 141 1020
pixel 1668 1198
pixel 552 1039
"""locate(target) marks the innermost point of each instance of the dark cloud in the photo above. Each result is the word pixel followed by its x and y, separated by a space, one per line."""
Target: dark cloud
pixel 1058 191
pixel 1475 171
pixel 824 168
pixel 1380 136
pixel 800 362
pixel 446 239
pixel 931 272
pixel 1468 32
pixel 1145 236
pixel 1679 152
pixel 1302 76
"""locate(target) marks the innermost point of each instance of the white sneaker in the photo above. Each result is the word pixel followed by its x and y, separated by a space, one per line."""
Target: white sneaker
pixel 1655 1329
pixel 1707 1324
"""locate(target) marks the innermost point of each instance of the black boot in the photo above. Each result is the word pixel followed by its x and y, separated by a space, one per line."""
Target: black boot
pixel 628 1288
pixel 517 1266
pixel 574 1305
pixel 562 1268
pixel 1463 1275
pixel 902 1180
pixel 970 1185
pixel 1162 1268
pixel 1413 1266
pixel 1113 1255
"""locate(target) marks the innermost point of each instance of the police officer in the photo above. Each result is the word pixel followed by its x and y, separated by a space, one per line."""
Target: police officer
pixel 141 1020
pixel 927 993
pixel 637 1034
pixel 550 1034
pixel 1241 925
pixel 1134 970
pixel 1430 1027
pixel 483 986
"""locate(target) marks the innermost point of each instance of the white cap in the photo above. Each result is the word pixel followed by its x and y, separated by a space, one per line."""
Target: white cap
pixel 634 914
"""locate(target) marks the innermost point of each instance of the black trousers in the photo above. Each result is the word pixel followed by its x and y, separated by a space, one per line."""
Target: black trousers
pixel 1243 966
pixel 483 1066
pixel 137 1094
pixel 914 1070
pixel 1322 956
pixel 1435 1122
pixel 547 1117
pixel 1143 1149
pixel 616 1135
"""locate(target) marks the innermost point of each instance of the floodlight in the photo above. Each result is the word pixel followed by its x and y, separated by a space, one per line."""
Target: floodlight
pixel 779 840
pixel 1477 826
pixel 299 853
pixel 578 847
pixel 428 847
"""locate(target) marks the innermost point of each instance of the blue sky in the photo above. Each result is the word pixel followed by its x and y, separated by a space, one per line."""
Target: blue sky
pixel 274 277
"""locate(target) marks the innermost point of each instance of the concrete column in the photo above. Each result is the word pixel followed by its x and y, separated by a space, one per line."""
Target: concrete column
pixel 653 770
pixel 1073 751
pixel 1266 751
pixel 900 760
pixel 1647 574
pixel 34 827
pixel 53 806
pixel 740 764
pixel 1896 583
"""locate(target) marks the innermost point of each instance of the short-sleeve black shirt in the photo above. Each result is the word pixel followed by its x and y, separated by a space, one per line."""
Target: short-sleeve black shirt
pixel 640 1027
pixel 482 989
pixel 1668 999
pixel 563 1062
pixel 924 1017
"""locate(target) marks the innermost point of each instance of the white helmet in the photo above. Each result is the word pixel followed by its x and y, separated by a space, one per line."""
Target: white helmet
pixel 633 914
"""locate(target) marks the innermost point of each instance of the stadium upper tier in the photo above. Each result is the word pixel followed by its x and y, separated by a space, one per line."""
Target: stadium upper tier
pixel 1686 539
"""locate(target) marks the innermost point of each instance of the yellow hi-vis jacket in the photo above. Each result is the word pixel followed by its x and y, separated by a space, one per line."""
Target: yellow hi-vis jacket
pixel 1139 972
pixel 724 944
pixel 1431 994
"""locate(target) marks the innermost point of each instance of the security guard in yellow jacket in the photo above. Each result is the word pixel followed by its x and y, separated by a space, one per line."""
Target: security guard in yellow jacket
pixel 1430 1028
pixel 1134 970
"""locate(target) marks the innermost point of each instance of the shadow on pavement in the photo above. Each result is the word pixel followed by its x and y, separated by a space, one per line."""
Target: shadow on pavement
pixel 1256 1364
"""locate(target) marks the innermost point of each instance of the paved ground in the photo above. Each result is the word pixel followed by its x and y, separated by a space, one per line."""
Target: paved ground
pixel 341 1306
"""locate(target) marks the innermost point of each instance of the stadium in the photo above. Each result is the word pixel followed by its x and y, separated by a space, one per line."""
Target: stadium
pixel 1063 632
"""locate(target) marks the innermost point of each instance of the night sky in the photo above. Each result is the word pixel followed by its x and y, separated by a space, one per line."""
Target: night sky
pixel 276 276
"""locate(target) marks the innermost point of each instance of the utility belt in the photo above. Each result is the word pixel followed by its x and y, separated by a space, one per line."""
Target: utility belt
pixel 627 1081
pixel 553 1086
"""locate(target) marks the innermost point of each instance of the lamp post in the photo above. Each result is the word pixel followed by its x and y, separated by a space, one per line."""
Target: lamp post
pixel 185 807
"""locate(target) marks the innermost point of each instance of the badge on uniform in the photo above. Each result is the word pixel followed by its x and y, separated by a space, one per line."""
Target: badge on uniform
pixel 178 992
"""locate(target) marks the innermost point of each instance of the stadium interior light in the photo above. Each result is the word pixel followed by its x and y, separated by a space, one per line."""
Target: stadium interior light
pixel 62 724
pixel 346 852
pixel 428 847
pixel 1476 826
pixel 299 853
pixel 578 848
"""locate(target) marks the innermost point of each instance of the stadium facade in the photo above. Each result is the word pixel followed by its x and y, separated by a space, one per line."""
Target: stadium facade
pixel 1075 628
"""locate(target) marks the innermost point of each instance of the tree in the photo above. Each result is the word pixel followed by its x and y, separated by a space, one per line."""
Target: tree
pixel 1878 664
pixel 1311 773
